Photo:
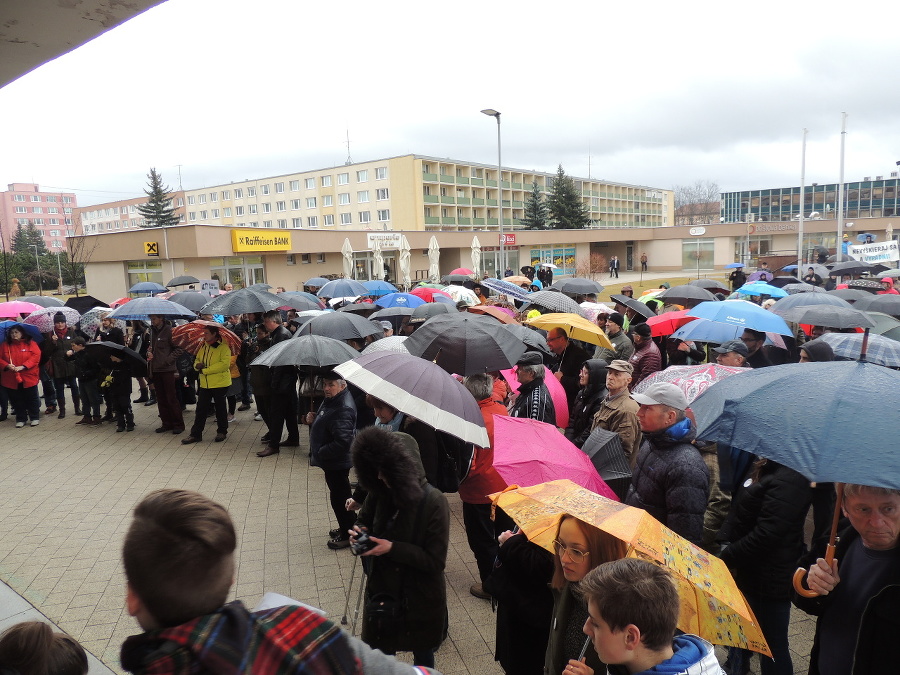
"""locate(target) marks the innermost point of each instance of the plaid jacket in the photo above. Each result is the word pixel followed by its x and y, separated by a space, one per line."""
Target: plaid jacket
pixel 232 641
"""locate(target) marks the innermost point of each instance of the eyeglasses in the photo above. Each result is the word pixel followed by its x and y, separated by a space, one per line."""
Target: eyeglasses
pixel 551 339
pixel 746 340
pixel 574 554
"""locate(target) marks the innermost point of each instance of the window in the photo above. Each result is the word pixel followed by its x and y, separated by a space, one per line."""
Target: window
pixel 201 199
pixel 305 259
pixel 310 202
pixel 226 212
pixel 264 189
pixel 21 209
pixel 51 198
pixel 180 202
pixel 267 223
pixel 67 209
pixel 312 221
pixel 327 200
pixel 344 198
pixel 296 222
pixel 238 210
pixel 381 193
pixel 204 215
pixel 122 209
pixel 328 220
pixel 280 206
pixel 238 193
pixel 226 194
pixel 213 196
pixel 310 183
pixel 19 198
pixel 362 176
pixel 343 178
pixel 346 219
pixel 365 216
pixel 320 258
pixel 381 173
pixel 251 191
pixel 53 221
pixel 295 204
pixel 384 215
pixel 190 200
pixel 215 213
pixel 295 185
pixel 253 223
pixel 54 209
pixel 54 233
pixel 22 221
pixel 35 198
pixel 267 207
pixel 251 209
pixel 282 223
pixel 37 209
pixel 362 196
pixel 279 187
pixel 67 200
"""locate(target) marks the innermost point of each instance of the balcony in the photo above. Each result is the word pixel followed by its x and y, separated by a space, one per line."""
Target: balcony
pixel 478 221
pixel 490 202
pixel 490 183
pixel 476 181
pixel 430 199
pixel 448 200
pixel 448 221
pixel 432 177
pixel 432 220
pixel 464 221
pixel 447 179
pixel 477 201
pixel 462 180
pixel 463 200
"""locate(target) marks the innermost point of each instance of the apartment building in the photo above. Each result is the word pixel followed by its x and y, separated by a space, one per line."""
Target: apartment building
pixel 119 215
pixel 52 213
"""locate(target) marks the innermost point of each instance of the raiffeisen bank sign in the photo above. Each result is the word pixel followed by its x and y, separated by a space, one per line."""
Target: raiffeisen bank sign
pixel 255 241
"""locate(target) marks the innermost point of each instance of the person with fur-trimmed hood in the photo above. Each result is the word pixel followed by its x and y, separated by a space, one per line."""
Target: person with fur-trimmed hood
pixel 408 521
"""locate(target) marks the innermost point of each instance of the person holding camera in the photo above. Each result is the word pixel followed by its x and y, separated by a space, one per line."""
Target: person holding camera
pixel 403 533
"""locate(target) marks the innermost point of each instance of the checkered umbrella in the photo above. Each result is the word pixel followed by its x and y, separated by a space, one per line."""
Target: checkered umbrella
pixel 555 302
pixel 43 318
pixel 794 289
pixel 506 288
pixel 880 350
pixel 90 320
pixel 140 309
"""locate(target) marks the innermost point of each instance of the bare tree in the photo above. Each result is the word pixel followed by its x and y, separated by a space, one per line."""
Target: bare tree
pixel 698 203
pixel 595 264
pixel 80 250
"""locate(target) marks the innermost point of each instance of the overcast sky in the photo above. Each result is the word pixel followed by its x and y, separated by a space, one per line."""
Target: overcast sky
pixel 653 93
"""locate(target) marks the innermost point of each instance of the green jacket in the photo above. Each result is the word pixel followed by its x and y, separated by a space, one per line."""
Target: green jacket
pixel 217 359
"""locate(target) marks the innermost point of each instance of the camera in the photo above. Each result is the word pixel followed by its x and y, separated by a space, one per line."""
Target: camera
pixel 362 544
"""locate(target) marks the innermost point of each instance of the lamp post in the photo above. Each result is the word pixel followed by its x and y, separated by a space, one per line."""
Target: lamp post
pixel 802 205
pixel 490 112
pixel 38 261
pixel 59 270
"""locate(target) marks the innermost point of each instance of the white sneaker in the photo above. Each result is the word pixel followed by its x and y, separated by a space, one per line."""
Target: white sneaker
pixel 257 417
pixel 230 419
pixel 34 423
pixel 19 425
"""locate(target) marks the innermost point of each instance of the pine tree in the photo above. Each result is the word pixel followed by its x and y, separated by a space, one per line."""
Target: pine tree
pixel 158 211
pixel 26 238
pixel 536 213
pixel 567 211
pixel 20 240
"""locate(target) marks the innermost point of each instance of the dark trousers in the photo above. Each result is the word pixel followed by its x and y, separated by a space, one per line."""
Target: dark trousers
pixel 215 395
pixel 283 413
pixel 482 532
pixel 59 383
pixel 26 402
pixel 4 400
pixel 264 408
pixel 246 389
pixel 774 618
pixel 48 387
pixel 121 406
pixel 90 392
pixel 167 400
pixel 338 482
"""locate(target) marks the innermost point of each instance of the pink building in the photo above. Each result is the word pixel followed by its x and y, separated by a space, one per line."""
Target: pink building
pixel 52 214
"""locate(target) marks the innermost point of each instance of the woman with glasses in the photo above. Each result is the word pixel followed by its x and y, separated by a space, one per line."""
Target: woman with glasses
pixel 579 549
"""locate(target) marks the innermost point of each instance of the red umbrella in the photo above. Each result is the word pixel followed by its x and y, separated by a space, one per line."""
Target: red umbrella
pixel 427 294
pixel 557 393
pixel 462 270
pixel 668 322
pixel 119 302
pixel 528 452
pixel 692 380
pixel 190 336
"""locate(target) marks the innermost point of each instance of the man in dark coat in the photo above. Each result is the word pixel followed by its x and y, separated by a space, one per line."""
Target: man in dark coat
pixel 282 403
pixel 533 400
pixel 330 437
pixel 670 480
pixel 647 358
pixel 56 345
pixel 164 373
pixel 569 359
pixel 756 357
pixel 737 278
pixel 588 400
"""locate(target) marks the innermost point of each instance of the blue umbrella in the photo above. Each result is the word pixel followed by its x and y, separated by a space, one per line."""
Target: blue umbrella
pixel 399 300
pixel 704 330
pixel 506 288
pixel 762 288
pixel 140 309
pixel 731 266
pixel 147 287
pixel 342 288
pixel 378 287
pixel 743 314
pixel 861 237
pixel 789 268
pixel 26 327
pixel 441 298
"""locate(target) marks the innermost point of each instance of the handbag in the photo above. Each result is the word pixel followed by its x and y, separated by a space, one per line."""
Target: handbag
pixel 384 618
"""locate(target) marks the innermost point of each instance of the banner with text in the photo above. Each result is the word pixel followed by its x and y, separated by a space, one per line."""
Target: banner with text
pixel 259 241
pixel 879 252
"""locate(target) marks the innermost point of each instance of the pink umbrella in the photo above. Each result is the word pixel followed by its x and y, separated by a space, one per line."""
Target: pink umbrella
pixel 557 393
pixel 693 380
pixel 528 452
pixel 462 270
pixel 13 308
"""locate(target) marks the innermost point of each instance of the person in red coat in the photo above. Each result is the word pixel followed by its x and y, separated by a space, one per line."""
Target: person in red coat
pixel 482 480
pixel 20 358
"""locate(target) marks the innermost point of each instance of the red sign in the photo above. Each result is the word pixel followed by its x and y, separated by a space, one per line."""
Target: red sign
pixel 508 239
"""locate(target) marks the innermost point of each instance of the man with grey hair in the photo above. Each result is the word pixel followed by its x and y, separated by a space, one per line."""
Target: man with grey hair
pixel 670 480
pixel 618 411
pixel 533 400
pixel 856 631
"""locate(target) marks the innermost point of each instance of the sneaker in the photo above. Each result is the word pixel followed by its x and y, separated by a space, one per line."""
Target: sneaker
pixel 338 543
pixel 19 425
pixel 230 419
pixel 50 409
pixel 34 423
pixel 130 427
pixel 244 406
pixel 478 591
pixel 257 418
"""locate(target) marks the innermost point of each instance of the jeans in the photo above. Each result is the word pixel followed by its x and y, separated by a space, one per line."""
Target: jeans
pixel 60 383
pixel 48 388
pixel 774 617
pixel 26 402
pixel 215 395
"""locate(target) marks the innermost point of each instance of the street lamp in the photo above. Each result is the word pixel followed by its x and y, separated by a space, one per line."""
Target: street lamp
pixel 38 261
pixel 490 112
pixel 59 269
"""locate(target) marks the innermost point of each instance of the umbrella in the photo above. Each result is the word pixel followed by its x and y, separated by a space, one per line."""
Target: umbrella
pixel 709 284
pixel 43 318
pixel 476 256
pixel 301 294
pixel 259 287
pixel 101 351
pixel 575 325
pixel 505 288
pixel 762 288
pixel 90 320
pixel 608 457
pixel 557 393
pixel 886 304
pixel 430 309
pixel 637 305
pixel 711 604
pixel 894 274
pixel 743 314
pixel 191 336
pixel 462 294
pixel 548 264
pixel 361 308
pixel 434 258
pixel 243 301
pixel 879 349
pixel 428 294
pixel 308 352
pixel 379 287
pixel 793 289
pixel 686 295
pixel 532 338
pixel 885 325
pixel 853 267
pixel 26 328
pixel 184 280
pixel 781 282
pixel 734 265
pixel 316 282
pixel 791 307
pixel 464 271
pixel 405 262
pixel 862 236
pixel 692 380
pixel 761 275
pixel 465 343
pixel 121 301
pixel 193 300
pixel 347 258
pixel 518 280
pixel 44 301
pixel 591 310
pixel 340 326
pixel 455 278
pixel 851 295
pixel 502 314
pixel 821 270
pixel 147 287
pixel 870 286
pixel 400 300
pixel 704 330
pixel 832 317
pixel 392 312
pixel 14 308
pixel 668 322
pixel 342 288
pixel 420 389
pixel 392 343
pixel 528 452
pixel 301 303
pixel 578 286
pixel 140 309
pixel 555 302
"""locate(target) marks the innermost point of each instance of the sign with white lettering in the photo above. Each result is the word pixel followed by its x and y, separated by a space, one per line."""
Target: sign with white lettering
pixel 244 241
pixel 878 252
pixel 387 240
pixel 697 231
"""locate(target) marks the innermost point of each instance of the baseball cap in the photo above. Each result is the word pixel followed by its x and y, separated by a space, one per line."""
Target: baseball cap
pixel 732 346
pixel 387 325
pixel 662 393
pixel 621 366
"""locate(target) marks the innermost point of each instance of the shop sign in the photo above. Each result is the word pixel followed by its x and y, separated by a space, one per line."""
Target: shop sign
pixel 259 241
pixel 387 240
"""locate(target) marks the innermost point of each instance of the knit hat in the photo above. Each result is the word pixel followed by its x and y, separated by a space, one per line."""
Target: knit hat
pixel 617 319
pixel 643 330
pixel 59 317
pixel 818 350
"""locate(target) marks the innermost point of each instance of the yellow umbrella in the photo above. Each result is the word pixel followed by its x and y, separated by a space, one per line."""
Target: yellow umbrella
pixel 577 327
pixel 711 604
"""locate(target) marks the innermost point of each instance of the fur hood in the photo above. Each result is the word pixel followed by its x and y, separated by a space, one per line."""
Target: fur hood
pixel 396 456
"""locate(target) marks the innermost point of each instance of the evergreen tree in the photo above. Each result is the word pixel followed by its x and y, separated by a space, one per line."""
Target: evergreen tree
pixel 20 239
pixel 158 211
pixel 35 238
pixel 536 213
pixel 567 211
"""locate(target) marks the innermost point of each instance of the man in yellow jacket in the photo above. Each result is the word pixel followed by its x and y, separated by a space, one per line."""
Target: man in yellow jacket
pixel 213 365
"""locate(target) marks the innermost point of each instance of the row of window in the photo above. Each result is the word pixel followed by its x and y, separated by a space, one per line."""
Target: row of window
pixel 40 221
pixel 123 210
pixel 281 206
pixel 37 198
pixel 40 209
pixel 363 217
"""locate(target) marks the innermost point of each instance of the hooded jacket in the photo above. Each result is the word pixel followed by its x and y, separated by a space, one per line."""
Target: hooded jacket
pixel 693 656
pixel 415 517
pixel 587 402
pixel 217 359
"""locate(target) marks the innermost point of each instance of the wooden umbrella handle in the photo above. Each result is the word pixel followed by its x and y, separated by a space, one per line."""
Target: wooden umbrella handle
pixel 800 575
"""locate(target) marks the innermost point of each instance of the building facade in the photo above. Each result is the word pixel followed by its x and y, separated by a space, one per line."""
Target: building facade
pixel 51 213
pixel 120 215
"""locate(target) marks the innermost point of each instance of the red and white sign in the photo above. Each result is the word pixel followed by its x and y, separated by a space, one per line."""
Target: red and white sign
pixel 508 239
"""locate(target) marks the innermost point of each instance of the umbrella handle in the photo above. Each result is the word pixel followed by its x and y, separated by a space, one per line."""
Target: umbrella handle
pixel 800 575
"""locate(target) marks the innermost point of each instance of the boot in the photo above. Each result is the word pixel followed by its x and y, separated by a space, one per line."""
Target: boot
pixel 108 415
pixel 76 401
pixel 129 420
pixel 62 411
pixel 96 421
pixel 143 397
pixel 84 420
pixel 152 399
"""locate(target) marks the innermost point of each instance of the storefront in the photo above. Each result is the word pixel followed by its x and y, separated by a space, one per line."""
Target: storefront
pixel 238 271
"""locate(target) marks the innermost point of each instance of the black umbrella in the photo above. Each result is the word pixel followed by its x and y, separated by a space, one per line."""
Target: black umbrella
pixel 685 295
pixel 259 287
pixel 531 337
pixel 183 280
pixel 578 286
pixel 243 301
pixel 299 302
pixel 430 309
pixel 392 312
pixel 340 326
pixel 465 344
pixel 81 304
pixel 193 300
pixel 853 267
pixel 831 317
pixel 456 279
pixel 101 351
pixel 781 282
pixel 641 308
pixel 310 352
pixel 555 302
pixel 48 301
pixel 851 295
pixel 710 284
pixel 608 457
pixel 887 304
pixel 361 308
pixel 791 307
